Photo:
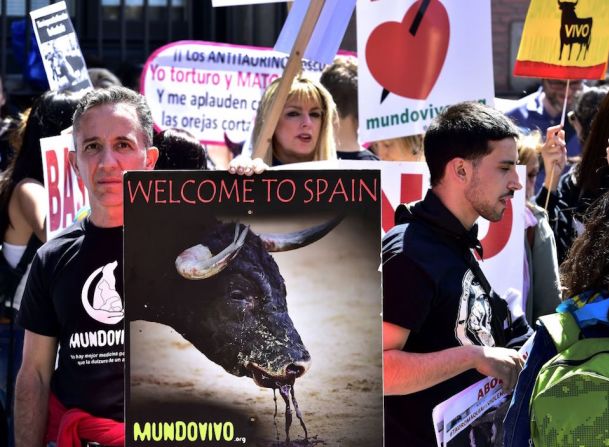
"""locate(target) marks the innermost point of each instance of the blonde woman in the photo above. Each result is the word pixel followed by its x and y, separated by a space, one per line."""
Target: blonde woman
pixel 305 128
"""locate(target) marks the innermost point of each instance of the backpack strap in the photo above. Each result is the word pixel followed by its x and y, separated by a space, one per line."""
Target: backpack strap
pixel 32 246
pixel 563 329
pixel 30 250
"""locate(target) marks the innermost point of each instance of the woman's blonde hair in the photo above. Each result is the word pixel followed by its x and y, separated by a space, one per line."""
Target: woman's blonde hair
pixel 303 89
pixel 529 146
pixel 408 148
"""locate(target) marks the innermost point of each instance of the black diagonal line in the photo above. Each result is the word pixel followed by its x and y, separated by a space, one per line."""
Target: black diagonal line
pixel 384 94
pixel 417 20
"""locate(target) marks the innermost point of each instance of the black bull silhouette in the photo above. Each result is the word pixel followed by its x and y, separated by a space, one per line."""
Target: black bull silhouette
pixel 233 305
pixel 574 30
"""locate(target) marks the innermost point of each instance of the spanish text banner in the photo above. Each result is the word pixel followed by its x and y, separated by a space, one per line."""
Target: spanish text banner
pixel 211 89
pixel 564 40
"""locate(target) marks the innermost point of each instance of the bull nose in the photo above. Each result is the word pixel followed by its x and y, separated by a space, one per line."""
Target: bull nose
pixel 297 369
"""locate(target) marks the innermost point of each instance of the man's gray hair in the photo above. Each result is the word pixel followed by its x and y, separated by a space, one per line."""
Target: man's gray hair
pixel 116 95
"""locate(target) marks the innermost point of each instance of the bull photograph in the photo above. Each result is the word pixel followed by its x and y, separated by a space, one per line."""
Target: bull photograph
pixel 253 308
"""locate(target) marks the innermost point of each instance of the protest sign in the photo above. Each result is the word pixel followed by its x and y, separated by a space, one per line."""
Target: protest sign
pixel 66 192
pixel 327 35
pixel 416 58
pixel 61 56
pixel 564 40
pixel 476 413
pixel 210 89
pixel 189 379
pixel 405 182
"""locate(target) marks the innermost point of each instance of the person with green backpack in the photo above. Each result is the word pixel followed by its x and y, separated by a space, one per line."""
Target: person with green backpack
pixel 562 394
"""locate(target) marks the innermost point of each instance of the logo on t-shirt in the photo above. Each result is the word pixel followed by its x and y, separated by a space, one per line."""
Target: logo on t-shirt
pixel 474 321
pixel 107 305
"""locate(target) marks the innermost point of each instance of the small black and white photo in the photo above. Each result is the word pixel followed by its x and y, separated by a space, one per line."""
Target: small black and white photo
pixel 61 55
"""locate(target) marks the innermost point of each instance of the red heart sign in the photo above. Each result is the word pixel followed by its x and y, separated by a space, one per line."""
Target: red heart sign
pixel 406 64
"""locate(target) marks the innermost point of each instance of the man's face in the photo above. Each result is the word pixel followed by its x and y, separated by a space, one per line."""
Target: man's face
pixel 494 180
pixel 109 141
pixel 555 92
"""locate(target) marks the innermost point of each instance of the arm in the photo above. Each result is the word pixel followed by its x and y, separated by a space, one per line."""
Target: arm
pixel 407 372
pixel 31 200
pixel 32 389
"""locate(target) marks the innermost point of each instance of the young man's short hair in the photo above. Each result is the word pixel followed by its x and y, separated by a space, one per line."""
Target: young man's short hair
pixel 463 130
pixel 116 95
pixel 340 79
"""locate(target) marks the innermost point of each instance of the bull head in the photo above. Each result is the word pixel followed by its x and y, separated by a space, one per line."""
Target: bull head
pixel 239 317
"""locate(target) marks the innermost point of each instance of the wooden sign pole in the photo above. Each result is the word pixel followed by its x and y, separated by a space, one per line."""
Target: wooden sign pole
pixel 294 65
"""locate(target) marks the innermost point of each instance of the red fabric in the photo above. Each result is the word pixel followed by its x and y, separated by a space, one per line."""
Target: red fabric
pixel 68 427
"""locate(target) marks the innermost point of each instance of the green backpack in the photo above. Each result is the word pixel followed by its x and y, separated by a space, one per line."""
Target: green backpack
pixel 570 402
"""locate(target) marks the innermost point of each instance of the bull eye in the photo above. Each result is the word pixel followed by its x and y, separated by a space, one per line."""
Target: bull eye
pixel 238 295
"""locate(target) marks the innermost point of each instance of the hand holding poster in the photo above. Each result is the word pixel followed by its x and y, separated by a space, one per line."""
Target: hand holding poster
pixel 461 418
pixel 242 319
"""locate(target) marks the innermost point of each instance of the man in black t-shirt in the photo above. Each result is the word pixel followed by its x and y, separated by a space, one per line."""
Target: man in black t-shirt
pixel 443 326
pixel 72 307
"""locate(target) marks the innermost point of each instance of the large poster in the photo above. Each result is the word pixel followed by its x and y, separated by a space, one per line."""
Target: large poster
pixel 416 58
pixel 232 340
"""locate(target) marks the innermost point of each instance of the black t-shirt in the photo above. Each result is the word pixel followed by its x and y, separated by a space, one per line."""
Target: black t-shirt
pixel 74 293
pixel 430 288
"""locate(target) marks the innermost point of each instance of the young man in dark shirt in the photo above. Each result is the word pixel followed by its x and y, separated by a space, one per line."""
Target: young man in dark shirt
pixel 72 304
pixel 443 326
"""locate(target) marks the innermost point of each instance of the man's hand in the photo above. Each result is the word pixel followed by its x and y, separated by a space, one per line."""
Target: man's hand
pixel 554 155
pixel 504 364
pixel 243 164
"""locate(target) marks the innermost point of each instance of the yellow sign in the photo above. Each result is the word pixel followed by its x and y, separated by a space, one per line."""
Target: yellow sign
pixel 565 39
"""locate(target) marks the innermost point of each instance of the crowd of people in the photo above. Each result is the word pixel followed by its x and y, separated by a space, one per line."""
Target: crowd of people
pixel 444 327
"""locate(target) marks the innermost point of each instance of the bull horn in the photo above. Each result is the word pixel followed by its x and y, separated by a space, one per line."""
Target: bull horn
pixel 198 263
pixel 275 242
